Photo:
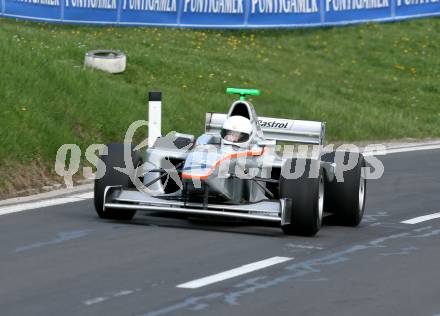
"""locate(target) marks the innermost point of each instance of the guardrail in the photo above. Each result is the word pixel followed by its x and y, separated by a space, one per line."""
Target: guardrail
pixel 219 13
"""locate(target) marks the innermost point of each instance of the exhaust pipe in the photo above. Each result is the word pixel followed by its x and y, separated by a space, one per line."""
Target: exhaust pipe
pixel 154 117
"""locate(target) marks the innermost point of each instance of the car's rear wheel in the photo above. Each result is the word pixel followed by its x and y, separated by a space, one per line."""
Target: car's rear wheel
pixel 346 199
pixel 113 177
pixel 307 196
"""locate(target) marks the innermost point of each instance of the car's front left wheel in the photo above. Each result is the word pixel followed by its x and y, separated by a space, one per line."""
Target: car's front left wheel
pixel 307 195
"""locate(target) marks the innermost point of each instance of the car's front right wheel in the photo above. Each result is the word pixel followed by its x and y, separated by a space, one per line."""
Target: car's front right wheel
pixel 114 159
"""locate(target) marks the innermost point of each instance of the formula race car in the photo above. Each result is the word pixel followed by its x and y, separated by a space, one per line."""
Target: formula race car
pixel 236 170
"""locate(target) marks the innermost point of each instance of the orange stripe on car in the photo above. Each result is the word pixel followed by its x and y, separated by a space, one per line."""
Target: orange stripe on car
pixel 218 162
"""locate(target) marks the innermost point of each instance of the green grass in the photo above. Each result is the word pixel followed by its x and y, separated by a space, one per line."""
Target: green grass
pixel 368 82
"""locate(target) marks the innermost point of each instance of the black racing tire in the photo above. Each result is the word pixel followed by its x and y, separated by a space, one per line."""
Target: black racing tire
pixel 115 158
pixel 346 199
pixel 307 196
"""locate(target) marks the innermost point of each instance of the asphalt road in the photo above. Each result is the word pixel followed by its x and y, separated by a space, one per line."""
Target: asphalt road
pixel 63 260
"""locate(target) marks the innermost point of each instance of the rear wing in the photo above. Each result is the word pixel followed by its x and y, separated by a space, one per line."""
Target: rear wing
pixel 295 131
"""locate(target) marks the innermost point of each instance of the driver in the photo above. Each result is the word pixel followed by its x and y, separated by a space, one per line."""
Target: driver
pixel 236 130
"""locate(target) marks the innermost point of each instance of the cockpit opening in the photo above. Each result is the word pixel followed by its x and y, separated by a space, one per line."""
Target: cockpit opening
pixel 241 109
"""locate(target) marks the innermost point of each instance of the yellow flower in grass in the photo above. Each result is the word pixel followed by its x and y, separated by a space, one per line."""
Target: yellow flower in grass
pixel 399 67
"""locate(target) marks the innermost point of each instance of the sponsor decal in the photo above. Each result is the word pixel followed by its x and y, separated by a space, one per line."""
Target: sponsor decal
pixel 214 6
pixel 416 2
pixel 284 6
pixel 91 4
pixel 275 124
pixel 53 3
pixel 344 5
pixel 150 5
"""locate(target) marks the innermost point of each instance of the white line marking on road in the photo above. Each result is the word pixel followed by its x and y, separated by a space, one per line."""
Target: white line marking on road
pixel 85 196
pixel 123 293
pixel 421 219
pixel 101 299
pixel 95 300
pixel 397 150
pixel 304 246
pixel 233 272
pixel 44 203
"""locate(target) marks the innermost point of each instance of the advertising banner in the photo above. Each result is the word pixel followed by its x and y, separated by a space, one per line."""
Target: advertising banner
pixel 239 14
pixel 414 8
pixel 36 9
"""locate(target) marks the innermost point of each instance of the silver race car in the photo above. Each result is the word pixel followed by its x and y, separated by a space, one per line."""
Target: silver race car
pixel 244 167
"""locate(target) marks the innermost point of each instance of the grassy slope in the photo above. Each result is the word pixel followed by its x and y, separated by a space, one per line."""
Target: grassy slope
pixel 368 82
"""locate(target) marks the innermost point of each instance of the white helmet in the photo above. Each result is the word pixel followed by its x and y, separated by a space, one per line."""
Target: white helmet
pixel 236 130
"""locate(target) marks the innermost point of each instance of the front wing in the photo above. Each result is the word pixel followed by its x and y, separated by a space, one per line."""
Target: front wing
pixel 269 211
